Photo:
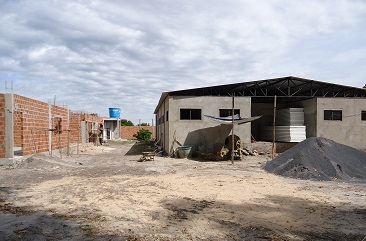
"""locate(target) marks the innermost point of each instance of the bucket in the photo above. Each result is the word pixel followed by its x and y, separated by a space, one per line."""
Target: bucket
pixel 114 112
pixel 184 151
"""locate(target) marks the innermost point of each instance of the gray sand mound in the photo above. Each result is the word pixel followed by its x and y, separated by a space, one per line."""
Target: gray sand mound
pixel 320 159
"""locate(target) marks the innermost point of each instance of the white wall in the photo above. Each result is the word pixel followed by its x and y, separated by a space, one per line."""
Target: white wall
pixel 351 130
pixel 205 132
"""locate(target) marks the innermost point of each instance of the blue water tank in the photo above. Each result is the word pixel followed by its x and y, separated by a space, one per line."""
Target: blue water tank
pixel 114 112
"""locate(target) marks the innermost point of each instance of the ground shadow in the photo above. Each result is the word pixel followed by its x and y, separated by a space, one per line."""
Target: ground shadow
pixel 138 148
pixel 270 218
pixel 18 223
pixel 41 226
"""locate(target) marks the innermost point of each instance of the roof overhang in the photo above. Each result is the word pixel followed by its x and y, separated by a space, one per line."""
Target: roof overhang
pixel 161 101
pixel 286 89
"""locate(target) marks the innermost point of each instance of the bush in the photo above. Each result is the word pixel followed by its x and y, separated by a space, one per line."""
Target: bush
pixel 125 122
pixel 143 135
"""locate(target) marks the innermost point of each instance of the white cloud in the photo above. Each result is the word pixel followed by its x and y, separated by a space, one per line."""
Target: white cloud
pixel 98 54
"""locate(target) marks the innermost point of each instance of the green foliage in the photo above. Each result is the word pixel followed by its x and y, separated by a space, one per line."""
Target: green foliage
pixel 143 135
pixel 125 122
pixel 144 124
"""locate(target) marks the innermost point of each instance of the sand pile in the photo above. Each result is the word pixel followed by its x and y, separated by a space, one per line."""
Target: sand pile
pixel 321 159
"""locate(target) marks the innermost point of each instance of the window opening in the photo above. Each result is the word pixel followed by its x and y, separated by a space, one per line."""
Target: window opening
pixel 190 114
pixel 333 115
pixel 227 112
pixel 363 115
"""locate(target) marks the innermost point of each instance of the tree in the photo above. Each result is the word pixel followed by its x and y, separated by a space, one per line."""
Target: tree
pixel 143 135
pixel 125 122
pixel 143 124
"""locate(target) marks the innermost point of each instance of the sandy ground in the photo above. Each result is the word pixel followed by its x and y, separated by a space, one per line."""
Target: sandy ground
pixel 106 194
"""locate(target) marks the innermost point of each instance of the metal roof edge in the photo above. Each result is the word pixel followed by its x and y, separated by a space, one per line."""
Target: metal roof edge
pixel 161 101
pixel 165 94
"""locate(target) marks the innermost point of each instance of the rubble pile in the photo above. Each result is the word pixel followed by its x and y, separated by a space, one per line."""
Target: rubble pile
pixel 319 158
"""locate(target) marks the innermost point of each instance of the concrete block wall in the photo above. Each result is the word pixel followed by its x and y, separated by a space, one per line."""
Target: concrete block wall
pixel 128 131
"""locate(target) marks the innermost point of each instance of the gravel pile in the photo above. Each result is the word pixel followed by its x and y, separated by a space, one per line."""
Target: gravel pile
pixel 319 158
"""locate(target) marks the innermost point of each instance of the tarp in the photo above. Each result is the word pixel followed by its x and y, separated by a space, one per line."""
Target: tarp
pixel 237 119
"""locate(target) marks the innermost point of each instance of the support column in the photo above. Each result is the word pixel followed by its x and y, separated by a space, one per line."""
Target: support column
pixel 9 125
pixel 84 133
pixel 119 128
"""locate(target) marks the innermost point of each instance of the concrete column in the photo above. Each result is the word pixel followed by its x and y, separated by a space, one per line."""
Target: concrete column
pixel 9 125
pixel 119 128
pixel 84 132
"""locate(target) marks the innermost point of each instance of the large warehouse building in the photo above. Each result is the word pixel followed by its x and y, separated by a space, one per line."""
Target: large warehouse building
pixel 305 107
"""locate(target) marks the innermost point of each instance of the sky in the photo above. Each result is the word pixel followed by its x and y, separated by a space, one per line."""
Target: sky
pixel 90 56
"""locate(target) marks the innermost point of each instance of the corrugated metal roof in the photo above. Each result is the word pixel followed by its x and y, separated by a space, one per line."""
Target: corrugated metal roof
pixel 286 89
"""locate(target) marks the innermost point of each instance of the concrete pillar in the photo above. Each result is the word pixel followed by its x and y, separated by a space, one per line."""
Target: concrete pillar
pixel 119 128
pixel 84 132
pixel 9 125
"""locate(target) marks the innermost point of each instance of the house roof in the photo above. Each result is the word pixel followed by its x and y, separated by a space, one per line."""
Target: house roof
pixel 286 89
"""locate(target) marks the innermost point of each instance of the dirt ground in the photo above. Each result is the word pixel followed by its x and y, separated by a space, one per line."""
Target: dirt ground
pixel 106 194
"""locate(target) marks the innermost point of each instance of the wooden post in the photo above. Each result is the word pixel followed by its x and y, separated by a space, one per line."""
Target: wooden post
pixel 60 143
pixel 274 126
pixel 68 133
pixel 232 132
pixel 68 142
pixel 78 133
pixel 97 135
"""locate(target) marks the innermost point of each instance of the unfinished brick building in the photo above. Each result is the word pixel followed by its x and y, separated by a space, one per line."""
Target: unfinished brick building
pixel 29 126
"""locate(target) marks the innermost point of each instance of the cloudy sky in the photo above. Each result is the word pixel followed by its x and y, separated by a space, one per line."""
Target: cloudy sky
pixel 93 55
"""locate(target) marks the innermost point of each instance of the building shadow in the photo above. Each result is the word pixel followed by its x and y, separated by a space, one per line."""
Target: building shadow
pixel 139 147
pixel 267 218
pixel 208 140
pixel 21 223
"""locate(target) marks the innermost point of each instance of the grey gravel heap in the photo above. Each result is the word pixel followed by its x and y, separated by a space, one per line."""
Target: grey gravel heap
pixel 319 158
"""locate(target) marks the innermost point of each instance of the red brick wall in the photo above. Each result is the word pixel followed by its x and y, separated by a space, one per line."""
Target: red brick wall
pixel 2 125
pixel 75 119
pixel 75 135
pixel 128 131
pixel 31 125
pixel 18 128
pixel 59 138
pixel 35 119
